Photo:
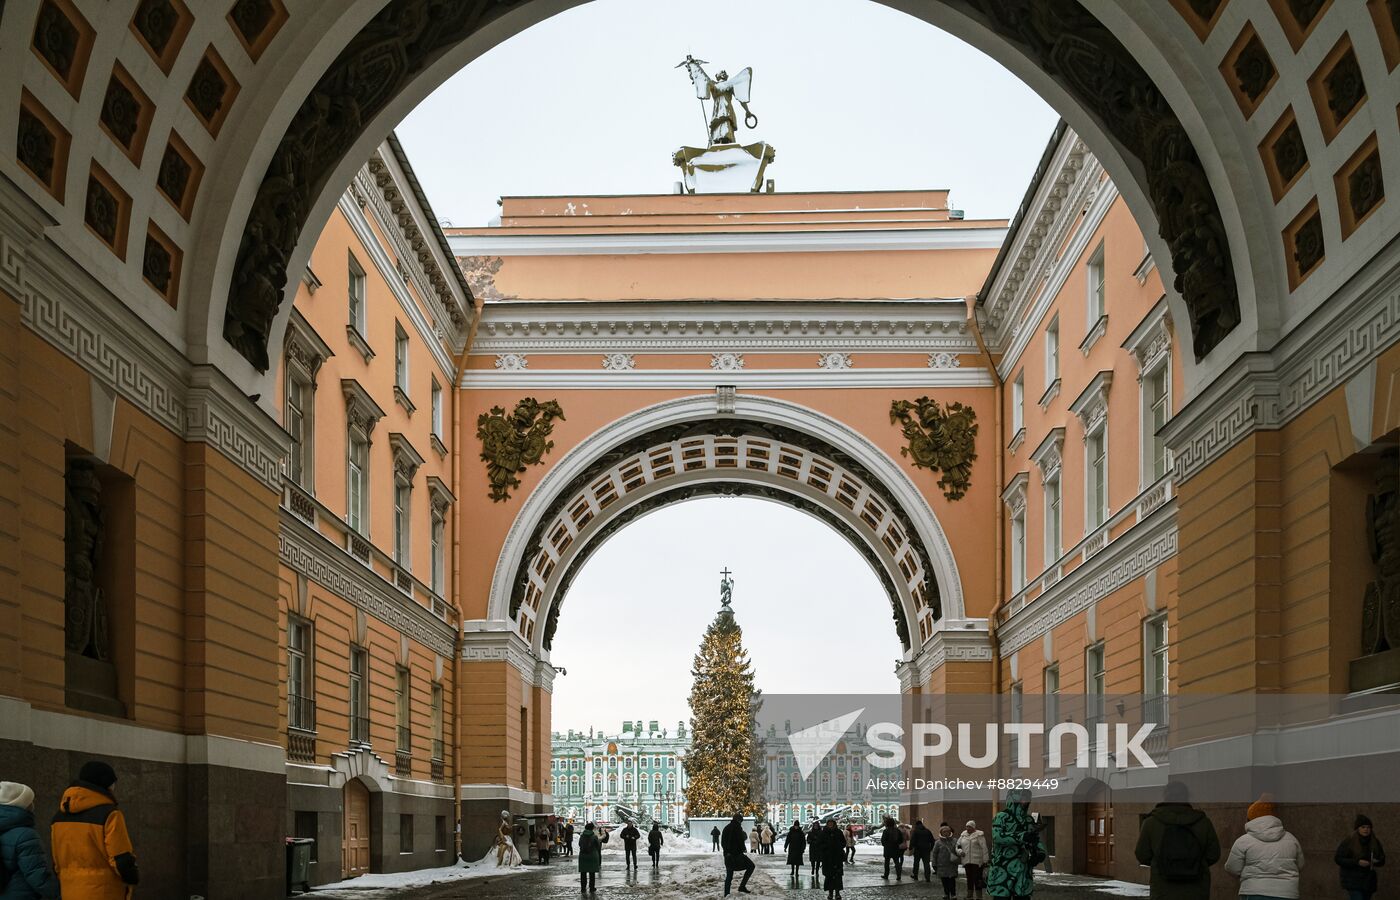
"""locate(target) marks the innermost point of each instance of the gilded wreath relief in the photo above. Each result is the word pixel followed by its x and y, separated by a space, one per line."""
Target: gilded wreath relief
pixel 941 438
pixel 511 443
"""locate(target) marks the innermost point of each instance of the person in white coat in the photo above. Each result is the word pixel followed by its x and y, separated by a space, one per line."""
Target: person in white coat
pixel 1267 858
pixel 972 852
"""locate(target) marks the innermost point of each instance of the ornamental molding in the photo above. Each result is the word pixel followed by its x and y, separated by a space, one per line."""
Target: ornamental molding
pixel 1125 559
pixel 1150 343
pixel 944 360
pixel 726 362
pixel 303 347
pixel 1049 454
pixel 709 378
pixel 1014 496
pixel 493 641
pixel 962 640
pixel 1267 390
pixel 1091 406
pixel 360 409
pixel 964 237
pixel 619 362
pixel 310 553
pixel 440 495
pixel 834 361
pixel 80 317
pixel 511 362
pixel 406 459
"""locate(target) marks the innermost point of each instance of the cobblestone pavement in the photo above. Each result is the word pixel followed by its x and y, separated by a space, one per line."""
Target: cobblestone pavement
pixel 683 876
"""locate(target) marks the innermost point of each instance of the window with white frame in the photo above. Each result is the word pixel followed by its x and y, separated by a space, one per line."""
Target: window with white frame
pixel 1017 713
pixel 1156 401
pixel 1095 300
pixel 1052 696
pixel 1155 676
pixel 359 695
pixel 1094 686
pixel 1018 402
pixel 295 420
pixel 357 483
pixel 436 551
pixel 301 709
pixel 1096 478
pixel 437 408
pixel 1018 549
pixel 1052 352
pixel 1054 520
pixel 356 296
pixel 436 713
pixel 400 358
pixel 403 511
pixel 402 696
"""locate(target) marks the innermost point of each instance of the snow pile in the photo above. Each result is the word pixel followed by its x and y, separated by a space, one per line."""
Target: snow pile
pixel 424 877
pixel 684 843
pixel 1099 886
pixel 705 878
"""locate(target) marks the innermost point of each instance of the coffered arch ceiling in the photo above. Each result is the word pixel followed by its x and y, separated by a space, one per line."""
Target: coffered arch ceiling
pixel 188 153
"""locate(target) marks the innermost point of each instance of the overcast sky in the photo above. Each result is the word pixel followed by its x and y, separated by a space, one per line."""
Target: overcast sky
pixel 852 95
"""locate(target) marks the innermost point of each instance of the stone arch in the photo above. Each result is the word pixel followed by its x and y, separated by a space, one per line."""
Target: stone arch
pixel 770 448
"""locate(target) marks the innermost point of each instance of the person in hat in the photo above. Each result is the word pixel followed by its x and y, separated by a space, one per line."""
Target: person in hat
pixel 1267 859
pixel 1358 858
pixel 1016 849
pixel 92 851
pixel 590 858
pixel 24 867
pixel 972 850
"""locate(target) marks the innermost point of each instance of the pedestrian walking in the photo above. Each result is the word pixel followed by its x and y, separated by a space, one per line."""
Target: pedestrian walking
pixel 890 839
pixel 921 843
pixel 630 835
pixel 815 839
pixel 1016 849
pixel 833 860
pixel 765 839
pixel 569 838
pixel 92 851
pixel 714 839
pixel 1358 857
pixel 794 844
pixel 1267 859
pixel 590 859
pixel 654 841
pixel 945 861
pixel 542 843
pixel 735 859
pixel 24 866
pixel 753 839
pixel 850 834
pixel 1179 842
pixel 905 833
pixel 972 850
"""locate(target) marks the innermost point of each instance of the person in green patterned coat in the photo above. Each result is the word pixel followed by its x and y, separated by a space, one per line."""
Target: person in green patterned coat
pixel 1016 849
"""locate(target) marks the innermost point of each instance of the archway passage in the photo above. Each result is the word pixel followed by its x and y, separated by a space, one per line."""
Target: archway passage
pixel 731 458
pixel 401 45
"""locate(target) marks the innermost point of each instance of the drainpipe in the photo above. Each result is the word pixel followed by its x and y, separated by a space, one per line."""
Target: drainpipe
pixel 458 642
pixel 998 427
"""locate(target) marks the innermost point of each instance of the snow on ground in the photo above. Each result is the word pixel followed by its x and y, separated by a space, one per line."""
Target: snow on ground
pixel 424 877
pixel 705 878
pixel 684 843
pixel 1111 888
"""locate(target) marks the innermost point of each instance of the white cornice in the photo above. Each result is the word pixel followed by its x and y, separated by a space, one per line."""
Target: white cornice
pixel 1049 454
pixel 950 238
pixel 496 641
pixel 708 379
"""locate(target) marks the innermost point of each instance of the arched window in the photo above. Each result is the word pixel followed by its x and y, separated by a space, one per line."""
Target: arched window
pixel 826 782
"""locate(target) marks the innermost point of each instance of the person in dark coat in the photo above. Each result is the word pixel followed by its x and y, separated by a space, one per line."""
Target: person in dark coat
pixel 24 866
pixel 794 844
pixel 1358 857
pixel 815 839
pixel 590 858
pixel 714 838
pixel 945 861
pixel 921 846
pixel 1179 843
pixel 569 839
pixel 833 859
pixel 654 841
pixel 735 842
pixel 630 835
pixel 891 839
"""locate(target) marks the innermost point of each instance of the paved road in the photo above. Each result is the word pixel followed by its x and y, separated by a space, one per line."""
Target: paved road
pixel 685 876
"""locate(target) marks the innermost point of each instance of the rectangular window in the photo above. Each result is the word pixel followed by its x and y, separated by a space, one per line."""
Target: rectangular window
pixel 402 510
pixel 1017 713
pixel 1052 696
pixel 1157 387
pixel 1018 403
pixel 1096 496
pixel 1155 673
pixel 357 480
pixel 400 358
pixel 405 833
pixel 437 408
pixel 1053 521
pixel 1096 289
pixel 357 296
pixel 436 534
pixel 1052 352
pixel 401 711
pixel 440 833
pixel 300 707
pixel 359 695
pixel 1018 551
pixel 294 420
pixel 437 721
pixel 1094 686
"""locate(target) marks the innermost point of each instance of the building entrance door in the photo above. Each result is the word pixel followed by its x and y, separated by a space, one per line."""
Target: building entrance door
pixel 1098 820
pixel 355 854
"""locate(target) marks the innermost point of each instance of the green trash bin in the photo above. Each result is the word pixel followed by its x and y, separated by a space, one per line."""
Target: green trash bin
pixel 299 864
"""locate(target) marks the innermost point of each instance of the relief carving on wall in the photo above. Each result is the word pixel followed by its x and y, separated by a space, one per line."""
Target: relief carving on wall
pixel 481 272
pixel 511 443
pixel 1380 607
pixel 85 616
pixel 943 439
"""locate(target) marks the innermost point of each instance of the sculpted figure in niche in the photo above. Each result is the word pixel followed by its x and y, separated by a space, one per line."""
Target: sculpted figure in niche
pixel 85 625
pixel 1380 607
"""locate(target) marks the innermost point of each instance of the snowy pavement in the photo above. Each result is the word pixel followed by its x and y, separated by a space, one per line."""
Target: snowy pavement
pixel 684 874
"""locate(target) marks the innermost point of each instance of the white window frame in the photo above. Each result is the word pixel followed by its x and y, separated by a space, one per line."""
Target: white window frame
pixel 1054 518
pixel 1095 513
pixel 437 407
pixel 357 297
pixel 1052 352
pixel 1159 369
pixel 358 683
pixel 1018 402
pixel 299 423
pixel 400 358
pixel 301 681
pixel 1018 550
pixel 403 709
pixel 1156 666
pixel 437 550
pixel 435 723
pixel 1095 681
pixel 403 523
pixel 1095 301
pixel 357 475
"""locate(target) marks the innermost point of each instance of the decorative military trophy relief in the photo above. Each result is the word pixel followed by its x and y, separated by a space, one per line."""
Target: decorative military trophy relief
pixel 512 442
pixel 723 166
pixel 941 438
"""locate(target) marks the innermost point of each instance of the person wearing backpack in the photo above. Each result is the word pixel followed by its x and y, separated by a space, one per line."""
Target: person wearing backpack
pixel 24 866
pixel 590 859
pixel 1180 845
pixel 1267 859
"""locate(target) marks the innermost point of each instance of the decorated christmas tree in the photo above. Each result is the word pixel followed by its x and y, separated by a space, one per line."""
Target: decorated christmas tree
pixel 724 704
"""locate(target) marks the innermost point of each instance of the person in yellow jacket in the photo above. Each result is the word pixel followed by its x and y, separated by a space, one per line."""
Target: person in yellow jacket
pixel 92 852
